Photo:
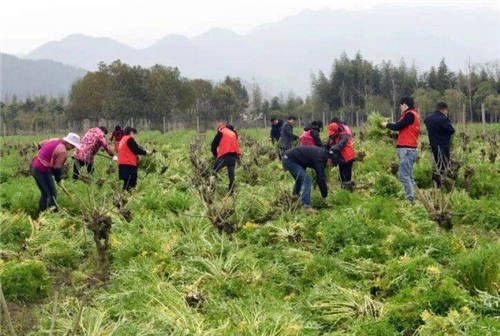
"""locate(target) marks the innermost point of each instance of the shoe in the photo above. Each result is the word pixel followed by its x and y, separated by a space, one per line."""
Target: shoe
pixel 310 210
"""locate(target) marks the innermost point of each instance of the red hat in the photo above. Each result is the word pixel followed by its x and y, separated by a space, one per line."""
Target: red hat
pixel 332 128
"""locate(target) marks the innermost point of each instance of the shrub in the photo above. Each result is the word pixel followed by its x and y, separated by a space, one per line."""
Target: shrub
pixel 59 252
pixel 26 280
pixel 479 269
pixel 14 229
pixel 178 201
pixel 386 185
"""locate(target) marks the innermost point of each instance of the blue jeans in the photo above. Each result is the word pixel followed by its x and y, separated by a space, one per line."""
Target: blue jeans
pixel 407 158
pixel 302 181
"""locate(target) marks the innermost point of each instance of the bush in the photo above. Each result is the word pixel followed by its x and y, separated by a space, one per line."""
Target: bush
pixel 14 229
pixel 59 252
pixel 386 185
pixel 178 202
pixel 479 269
pixel 26 280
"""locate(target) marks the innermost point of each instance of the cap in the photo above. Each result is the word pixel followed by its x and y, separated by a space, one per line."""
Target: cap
pixel 73 139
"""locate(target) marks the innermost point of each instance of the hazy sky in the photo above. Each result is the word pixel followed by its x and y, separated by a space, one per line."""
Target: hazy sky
pixel 26 24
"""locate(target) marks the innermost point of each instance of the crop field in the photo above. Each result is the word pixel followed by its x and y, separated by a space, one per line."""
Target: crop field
pixel 179 257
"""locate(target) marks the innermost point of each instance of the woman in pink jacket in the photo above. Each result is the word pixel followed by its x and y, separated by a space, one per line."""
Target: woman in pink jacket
pixel 49 162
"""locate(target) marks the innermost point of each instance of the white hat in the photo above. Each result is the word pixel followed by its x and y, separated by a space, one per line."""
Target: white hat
pixel 73 139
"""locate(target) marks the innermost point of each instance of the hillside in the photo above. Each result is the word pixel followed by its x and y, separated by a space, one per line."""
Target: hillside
pixel 282 55
pixel 179 257
pixel 24 78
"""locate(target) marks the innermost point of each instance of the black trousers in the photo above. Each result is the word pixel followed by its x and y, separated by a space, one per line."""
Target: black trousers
pixel 229 161
pixel 442 161
pixel 128 174
pixel 47 186
pixel 78 164
pixel 345 171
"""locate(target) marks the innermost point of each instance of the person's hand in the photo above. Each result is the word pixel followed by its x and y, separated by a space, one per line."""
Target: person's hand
pixel 149 153
pixel 383 124
pixel 115 158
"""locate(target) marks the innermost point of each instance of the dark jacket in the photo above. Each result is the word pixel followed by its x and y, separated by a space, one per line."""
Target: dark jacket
pixel 314 158
pixel 407 120
pixel 276 130
pixel 439 130
pixel 218 138
pixel 314 133
pixel 286 136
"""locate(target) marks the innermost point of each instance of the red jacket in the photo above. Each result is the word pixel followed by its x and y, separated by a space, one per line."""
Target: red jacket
pixel 306 139
pixel 408 136
pixel 125 155
pixel 347 151
pixel 228 143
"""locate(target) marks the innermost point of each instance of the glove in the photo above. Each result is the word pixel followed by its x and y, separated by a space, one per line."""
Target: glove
pixel 115 158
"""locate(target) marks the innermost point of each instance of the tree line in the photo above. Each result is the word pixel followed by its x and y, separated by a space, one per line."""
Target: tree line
pixel 160 96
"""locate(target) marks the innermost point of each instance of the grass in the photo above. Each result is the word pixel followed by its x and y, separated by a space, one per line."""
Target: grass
pixel 367 264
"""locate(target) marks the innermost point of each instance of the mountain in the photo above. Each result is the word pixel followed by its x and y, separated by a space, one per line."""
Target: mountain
pixel 84 51
pixel 282 55
pixel 24 78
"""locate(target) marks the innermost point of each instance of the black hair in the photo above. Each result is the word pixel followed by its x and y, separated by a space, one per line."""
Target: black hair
pixel 129 130
pixel 318 124
pixel 335 120
pixel 104 129
pixel 441 106
pixel 292 118
pixel 118 127
pixel 408 101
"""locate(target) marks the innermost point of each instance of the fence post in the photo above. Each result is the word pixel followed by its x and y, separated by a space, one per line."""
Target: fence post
pixel 483 117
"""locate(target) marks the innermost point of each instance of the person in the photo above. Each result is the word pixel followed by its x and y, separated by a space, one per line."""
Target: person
pixel 48 163
pixel 439 130
pixel 408 127
pixel 128 152
pixel 340 143
pixel 116 136
pixel 276 125
pixel 89 146
pixel 287 138
pixel 226 150
pixel 310 137
pixel 343 124
pixel 297 160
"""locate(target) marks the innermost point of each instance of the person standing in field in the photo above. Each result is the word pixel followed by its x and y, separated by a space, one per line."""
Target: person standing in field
pixel 128 152
pixel 287 138
pixel 226 150
pixel 310 136
pixel 408 127
pixel 340 143
pixel 48 163
pixel 116 136
pixel 276 125
pixel 93 140
pixel 439 130
pixel 297 160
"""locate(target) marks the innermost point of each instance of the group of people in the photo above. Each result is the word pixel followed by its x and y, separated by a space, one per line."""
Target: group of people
pixel 296 153
pixel 49 161
pixel 338 149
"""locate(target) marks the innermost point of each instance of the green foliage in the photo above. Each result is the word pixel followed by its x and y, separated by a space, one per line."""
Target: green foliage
pixel 26 280
pixel 14 229
pixel 386 185
pixel 479 269
pixel 375 131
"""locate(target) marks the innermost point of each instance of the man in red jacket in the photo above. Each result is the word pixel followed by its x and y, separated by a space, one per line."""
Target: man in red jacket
pixel 408 127
pixel 226 149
